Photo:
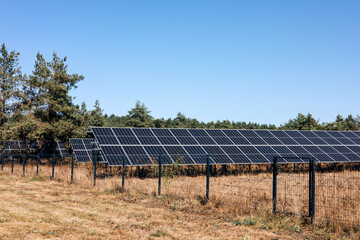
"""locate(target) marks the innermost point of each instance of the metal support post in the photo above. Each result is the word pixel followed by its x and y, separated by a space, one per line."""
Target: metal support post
pixel 53 166
pixel 159 190
pixel 37 164
pixel 312 190
pixel 275 173
pixel 105 171
pixel 94 157
pixel 2 162
pixel 207 176
pixel 72 168
pixel 123 174
pixel 12 164
pixel 24 164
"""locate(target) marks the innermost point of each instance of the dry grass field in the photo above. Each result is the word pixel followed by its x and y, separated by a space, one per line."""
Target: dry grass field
pixel 36 207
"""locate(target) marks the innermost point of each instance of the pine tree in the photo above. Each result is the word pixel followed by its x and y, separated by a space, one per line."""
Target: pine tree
pixel 139 116
pixel 49 101
pixel 96 117
pixel 10 82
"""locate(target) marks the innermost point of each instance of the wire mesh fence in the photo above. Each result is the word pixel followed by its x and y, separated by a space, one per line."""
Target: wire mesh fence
pixel 240 189
pixel 338 193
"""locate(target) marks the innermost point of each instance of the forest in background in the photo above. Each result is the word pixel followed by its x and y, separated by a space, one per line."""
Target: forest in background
pixel 39 107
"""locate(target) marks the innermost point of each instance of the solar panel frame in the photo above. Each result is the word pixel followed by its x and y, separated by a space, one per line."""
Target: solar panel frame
pixel 294 143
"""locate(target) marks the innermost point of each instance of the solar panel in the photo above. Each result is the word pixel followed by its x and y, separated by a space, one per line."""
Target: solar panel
pixel 142 146
pixel 61 149
pixel 82 149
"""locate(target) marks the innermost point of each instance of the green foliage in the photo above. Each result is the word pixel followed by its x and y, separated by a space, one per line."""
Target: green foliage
pixel 96 117
pixel 302 122
pixel 139 116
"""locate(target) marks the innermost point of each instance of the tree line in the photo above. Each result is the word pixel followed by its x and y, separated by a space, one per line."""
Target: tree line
pixel 39 107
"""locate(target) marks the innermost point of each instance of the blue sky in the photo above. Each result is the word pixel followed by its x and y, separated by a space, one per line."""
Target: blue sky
pixel 259 61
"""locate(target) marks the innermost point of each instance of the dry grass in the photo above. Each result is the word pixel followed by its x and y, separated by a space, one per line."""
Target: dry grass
pixel 239 206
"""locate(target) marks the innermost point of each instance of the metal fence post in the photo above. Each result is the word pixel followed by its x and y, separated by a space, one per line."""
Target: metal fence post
pixel 12 164
pixel 123 174
pixel 275 173
pixel 94 157
pixel 24 163
pixel 159 190
pixel 312 190
pixel 2 162
pixel 53 166
pixel 105 171
pixel 72 168
pixel 207 177
pixel 37 164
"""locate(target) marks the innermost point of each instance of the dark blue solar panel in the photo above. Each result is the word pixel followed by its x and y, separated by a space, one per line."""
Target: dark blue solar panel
pixel 178 154
pixel 288 141
pixel 154 153
pixel 162 132
pixel 148 140
pixel 345 141
pixel 248 133
pixel 279 134
pixel 302 141
pixel 145 132
pixel 217 154
pixel 272 141
pixel 168 140
pixel 222 141
pixel 256 141
pixel 349 134
pixel 215 133
pixel 205 140
pixel 229 146
pixel 232 133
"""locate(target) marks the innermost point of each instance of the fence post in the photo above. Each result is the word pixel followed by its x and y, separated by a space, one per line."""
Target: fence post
pixel 95 157
pixel 312 189
pixel 72 168
pixel 123 174
pixel 105 171
pixel 37 164
pixel 53 166
pixel 159 190
pixel 12 163
pixel 275 173
pixel 2 162
pixel 24 163
pixel 207 177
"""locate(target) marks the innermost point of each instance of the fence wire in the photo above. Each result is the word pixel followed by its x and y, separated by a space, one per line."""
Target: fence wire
pixel 243 189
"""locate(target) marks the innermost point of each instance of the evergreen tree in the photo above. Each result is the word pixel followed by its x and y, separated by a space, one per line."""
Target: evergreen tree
pixel 48 99
pixel 139 116
pixel 10 82
pixel 96 117
pixel 302 122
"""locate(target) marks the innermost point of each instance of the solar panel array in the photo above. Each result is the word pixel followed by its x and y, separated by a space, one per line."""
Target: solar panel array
pixel 18 146
pixel 61 149
pixel 142 146
pixel 83 148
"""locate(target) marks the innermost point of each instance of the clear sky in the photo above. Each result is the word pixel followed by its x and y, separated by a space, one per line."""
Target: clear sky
pixel 260 61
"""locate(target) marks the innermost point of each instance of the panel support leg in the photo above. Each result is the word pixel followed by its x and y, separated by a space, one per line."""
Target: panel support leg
pixel 123 174
pixel 207 177
pixel 37 164
pixel 159 186
pixel 275 173
pixel 24 164
pixel 12 164
pixel 312 189
pixel 53 166
pixel 72 169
